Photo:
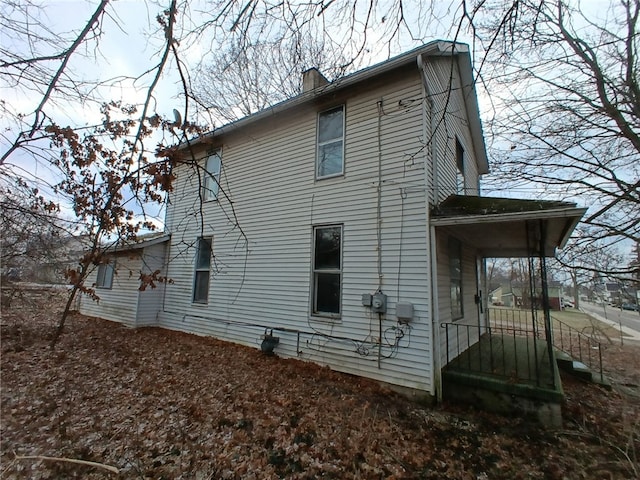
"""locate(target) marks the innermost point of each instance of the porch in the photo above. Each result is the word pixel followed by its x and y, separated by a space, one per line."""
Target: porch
pixel 494 365
pixel 505 369
pixel 507 361
pixel 511 358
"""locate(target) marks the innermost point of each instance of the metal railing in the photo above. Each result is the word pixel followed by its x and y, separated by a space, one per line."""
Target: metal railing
pixel 587 349
pixel 508 352
pixel 578 345
pixel 513 346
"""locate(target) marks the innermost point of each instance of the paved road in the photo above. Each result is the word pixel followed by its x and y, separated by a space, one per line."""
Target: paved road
pixel 625 317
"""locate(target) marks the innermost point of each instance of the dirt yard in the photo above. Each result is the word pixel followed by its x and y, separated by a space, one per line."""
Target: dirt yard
pixel 157 404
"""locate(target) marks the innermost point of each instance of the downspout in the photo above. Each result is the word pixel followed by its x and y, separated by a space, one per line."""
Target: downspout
pixel 167 254
pixel 379 226
pixel 436 375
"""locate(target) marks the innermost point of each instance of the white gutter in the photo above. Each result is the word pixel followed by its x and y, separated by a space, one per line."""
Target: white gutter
pixel 575 213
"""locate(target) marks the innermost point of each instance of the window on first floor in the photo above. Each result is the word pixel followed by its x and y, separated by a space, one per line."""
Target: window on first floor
pixel 105 275
pixel 330 154
pixel 327 270
pixel 202 271
pixel 455 275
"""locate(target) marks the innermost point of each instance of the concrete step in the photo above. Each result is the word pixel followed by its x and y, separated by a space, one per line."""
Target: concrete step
pixel 580 370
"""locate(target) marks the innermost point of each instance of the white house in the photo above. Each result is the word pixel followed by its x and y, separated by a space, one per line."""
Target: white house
pixel 123 296
pixel 344 221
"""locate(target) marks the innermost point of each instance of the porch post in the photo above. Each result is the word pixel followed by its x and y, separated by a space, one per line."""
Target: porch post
pixel 545 298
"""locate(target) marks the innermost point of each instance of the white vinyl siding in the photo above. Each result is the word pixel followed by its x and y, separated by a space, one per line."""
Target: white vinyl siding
pixel 262 274
pixel 449 110
pixel 125 302
pixel 119 303
pixel 150 299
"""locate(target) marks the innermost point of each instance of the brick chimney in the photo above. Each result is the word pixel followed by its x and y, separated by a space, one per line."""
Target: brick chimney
pixel 311 79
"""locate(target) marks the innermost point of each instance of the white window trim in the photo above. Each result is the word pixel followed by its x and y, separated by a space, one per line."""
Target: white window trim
pixel 211 180
pixel 328 142
pixel 197 269
pixel 461 182
pixel 314 286
pixel 104 268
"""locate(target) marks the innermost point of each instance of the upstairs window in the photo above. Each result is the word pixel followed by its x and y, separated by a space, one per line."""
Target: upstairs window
pixel 455 275
pixel 327 270
pixel 330 154
pixel 211 181
pixel 460 168
pixel 202 271
pixel 105 275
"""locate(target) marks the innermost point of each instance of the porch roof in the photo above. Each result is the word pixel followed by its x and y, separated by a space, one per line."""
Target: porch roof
pixel 506 227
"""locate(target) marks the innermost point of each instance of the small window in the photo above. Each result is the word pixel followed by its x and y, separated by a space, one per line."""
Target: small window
pixel 202 271
pixel 105 275
pixel 460 190
pixel 327 270
pixel 330 154
pixel 211 181
pixel 455 275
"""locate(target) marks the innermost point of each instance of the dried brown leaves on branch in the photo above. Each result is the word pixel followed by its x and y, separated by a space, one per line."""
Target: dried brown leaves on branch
pixel 160 404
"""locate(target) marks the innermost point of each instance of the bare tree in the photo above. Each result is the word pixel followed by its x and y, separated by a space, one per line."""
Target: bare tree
pixel 249 78
pixel 33 233
pixel 564 83
pixel 565 89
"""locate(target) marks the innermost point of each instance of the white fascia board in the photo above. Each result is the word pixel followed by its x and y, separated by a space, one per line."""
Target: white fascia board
pixel 575 213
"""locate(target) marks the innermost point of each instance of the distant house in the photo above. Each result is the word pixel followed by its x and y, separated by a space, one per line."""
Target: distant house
pixel 518 295
pixel 344 221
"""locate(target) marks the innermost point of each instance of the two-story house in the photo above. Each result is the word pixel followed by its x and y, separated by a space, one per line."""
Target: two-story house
pixel 342 226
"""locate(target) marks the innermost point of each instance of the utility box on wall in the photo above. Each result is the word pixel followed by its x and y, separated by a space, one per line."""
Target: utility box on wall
pixel 379 303
pixel 404 312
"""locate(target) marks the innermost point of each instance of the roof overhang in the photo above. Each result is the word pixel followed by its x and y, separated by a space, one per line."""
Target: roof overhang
pixel 499 227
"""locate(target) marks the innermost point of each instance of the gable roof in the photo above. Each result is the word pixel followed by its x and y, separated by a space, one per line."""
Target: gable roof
pixel 436 48
pixel 505 227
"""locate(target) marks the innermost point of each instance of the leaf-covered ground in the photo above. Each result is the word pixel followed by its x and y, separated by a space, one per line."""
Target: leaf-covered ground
pixel 165 405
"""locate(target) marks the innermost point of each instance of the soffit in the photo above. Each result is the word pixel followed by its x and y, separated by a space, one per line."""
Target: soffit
pixel 499 227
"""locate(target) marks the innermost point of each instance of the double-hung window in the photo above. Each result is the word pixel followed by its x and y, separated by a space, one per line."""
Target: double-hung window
pixel 460 190
pixel 327 271
pixel 105 275
pixel 455 275
pixel 211 180
pixel 202 271
pixel 330 153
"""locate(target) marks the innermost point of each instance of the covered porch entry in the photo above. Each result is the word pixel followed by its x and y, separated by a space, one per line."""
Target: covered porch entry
pixel 487 358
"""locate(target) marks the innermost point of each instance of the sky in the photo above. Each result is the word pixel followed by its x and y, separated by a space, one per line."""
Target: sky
pixel 130 41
